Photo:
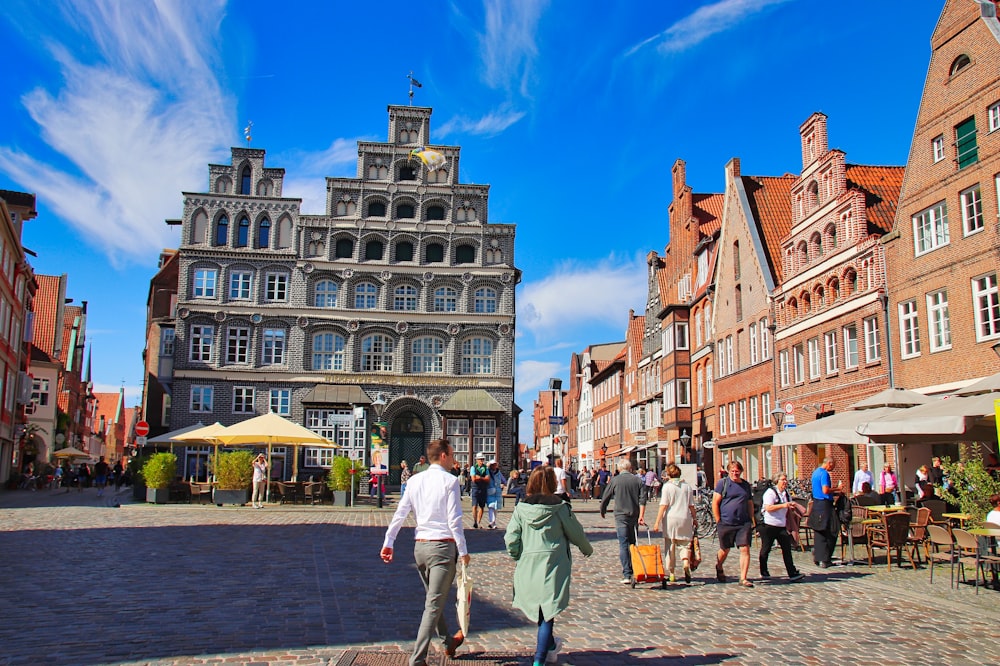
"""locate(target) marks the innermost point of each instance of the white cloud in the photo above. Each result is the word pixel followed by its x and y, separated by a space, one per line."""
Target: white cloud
pixel 491 124
pixel 580 295
pixel 703 23
pixel 532 376
pixel 133 128
pixel 508 44
pixel 312 169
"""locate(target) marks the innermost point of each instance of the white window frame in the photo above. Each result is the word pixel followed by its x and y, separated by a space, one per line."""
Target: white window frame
pixel 201 343
pixel 427 355
pixel 851 358
pixel 445 299
pixel 276 289
pixel 765 408
pixel 240 285
pixel 700 386
pixel 708 383
pixel 930 229
pixel 243 398
pixel 317 457
pixel 909 329
pixel 405 298
pixel 365 296
pixel 683 392
pixel 237 345
pixel 729 354
pixel 937 148
pixel 377 351
pixel 752 332
pixel 202 397
pixel 784 374
pixel 273 347
pixel 281 401
pixel 732 418
pixel 484 300
pixel 873 339
pixel 325 294
pixel 477 356
pixel 167 337
pixel 669 395
pixel 938 321
pixel 798 363
pixel 972 210
pixel 815 359
pixel 683 336
pixel 722 420
pixel 754 413
pixel 205 283
pixel 986 307
pixel 330 355
pixel 743 415
pixel 484 437
pixel 765 340
pixel 830 347
pixel 993 113
pixel 458 437
pixel 667 341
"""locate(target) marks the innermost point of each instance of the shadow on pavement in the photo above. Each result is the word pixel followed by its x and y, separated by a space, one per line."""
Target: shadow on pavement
pixel 628 657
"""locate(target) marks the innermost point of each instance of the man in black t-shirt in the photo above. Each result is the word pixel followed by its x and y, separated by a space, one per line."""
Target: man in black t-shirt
pixel 732 506
pixel 480 487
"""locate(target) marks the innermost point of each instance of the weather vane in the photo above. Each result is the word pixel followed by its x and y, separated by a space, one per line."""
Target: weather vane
pixel 413 84
pixel 247 132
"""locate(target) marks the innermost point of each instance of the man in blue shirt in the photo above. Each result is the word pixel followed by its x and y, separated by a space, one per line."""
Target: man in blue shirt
pixel 821 518
pixel 732 507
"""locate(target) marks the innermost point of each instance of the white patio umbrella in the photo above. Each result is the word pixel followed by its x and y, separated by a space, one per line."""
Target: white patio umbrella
pixel 168 437
pixel 948 419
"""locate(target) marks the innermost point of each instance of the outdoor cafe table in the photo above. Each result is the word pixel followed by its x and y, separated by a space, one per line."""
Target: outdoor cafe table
pixel 959 518
pixel 884 509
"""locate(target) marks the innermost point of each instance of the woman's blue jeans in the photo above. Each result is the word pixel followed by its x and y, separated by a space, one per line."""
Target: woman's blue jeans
pixel 545 640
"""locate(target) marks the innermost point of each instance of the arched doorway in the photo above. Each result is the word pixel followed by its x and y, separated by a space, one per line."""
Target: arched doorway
pixel 406 443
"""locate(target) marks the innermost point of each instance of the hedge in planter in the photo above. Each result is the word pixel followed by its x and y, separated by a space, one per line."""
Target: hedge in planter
pixel 339 479
pixel 158 472
pixel 233 476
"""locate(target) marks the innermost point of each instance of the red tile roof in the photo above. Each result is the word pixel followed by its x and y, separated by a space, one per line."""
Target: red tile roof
pixel 881 186
pixel 636 329
pixel 708 212
pixel 46 305
pixel 770 200
pixel 107 406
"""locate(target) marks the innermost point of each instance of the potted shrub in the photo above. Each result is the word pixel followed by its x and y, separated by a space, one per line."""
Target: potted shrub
pixel 233 475
pixel 158 472
pixel 340 479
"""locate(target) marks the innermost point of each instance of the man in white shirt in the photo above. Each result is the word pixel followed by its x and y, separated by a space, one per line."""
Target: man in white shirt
pixel 860 477
pixel 436 503
pixel 562 483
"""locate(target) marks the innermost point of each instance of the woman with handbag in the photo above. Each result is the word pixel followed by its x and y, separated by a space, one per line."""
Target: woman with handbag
pixel 538 537
pixel 677 504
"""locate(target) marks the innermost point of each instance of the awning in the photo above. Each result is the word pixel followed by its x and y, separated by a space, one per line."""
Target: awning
pixel 952 419
pixel 336 394
pixel 621 452
pixel 472 400
pixel 840 428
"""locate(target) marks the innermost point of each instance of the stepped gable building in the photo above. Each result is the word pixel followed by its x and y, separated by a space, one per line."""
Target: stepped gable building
pixel 830 338
pixel 944 252
pixel 398 300
pixel 757 216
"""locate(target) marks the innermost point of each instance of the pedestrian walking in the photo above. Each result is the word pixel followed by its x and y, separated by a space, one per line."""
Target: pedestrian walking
pixel 732 507
pixel 823 520
pixel 494 494
pixel 421 465
pixel 601 478
pixel 480 489
pixel 677 504
pixel 538 537
pixel 586 479
pixel 259 481
pixel 625 489
pixel 562 479
pixel 439 541
pixel 101 470
pixel 404 476
pixel 776 505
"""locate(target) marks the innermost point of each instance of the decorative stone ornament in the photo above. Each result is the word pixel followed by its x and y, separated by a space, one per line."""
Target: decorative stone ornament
pixel 428 276
pixel 504 329
pixel 256 318
pixel 466 277
pixel 302 322
pixel 220 316
pixel 453 329
pixel 385 275
pixel 308 268
pixel 506 277
pixel 402 327
pixel 353 325
pixel 183 313
pixel 347 273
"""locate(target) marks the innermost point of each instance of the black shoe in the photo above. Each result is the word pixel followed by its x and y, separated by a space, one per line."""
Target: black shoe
pixel 764 575
pixel 824 565
pixel 475 526
pixel 796 577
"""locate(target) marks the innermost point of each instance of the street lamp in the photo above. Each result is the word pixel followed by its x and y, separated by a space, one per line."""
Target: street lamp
pixel 604 451
pixel 778 414
pixel 379 404
pixel 685 442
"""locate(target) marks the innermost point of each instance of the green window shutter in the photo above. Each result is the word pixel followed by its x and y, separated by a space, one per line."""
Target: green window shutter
pixel 965 142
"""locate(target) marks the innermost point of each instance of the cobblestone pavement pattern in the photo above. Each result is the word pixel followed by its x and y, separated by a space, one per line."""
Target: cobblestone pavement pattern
pixel 86 582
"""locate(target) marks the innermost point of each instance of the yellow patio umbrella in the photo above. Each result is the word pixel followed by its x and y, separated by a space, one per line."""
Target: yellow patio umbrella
pixel 205 435
pixel 70 452
pixel 272 429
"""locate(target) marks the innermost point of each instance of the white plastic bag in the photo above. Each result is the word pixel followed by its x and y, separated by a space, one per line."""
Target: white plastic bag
pixel 464 606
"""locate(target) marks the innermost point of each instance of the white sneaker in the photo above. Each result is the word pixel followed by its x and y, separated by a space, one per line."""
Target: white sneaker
pixel 626 581
pixel 552 656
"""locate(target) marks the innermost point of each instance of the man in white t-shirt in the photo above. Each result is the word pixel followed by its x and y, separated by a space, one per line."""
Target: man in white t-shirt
pixel 860 477
pixel 562 483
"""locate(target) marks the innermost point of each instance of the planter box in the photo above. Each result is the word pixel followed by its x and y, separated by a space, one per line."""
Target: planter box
pixel 240 497
pixel 138 492
pixel 341 497
pixel 157 495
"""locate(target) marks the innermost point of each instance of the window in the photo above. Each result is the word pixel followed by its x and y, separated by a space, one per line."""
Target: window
pixel 909 329
pixel 201 343
pixel 376 209
pixel 325 294
pixel 434 253
pixel 485 300
pixel 965 142
pixel 682 335
pixel 264 233
pixel 405 298
pixel 365 296
pixel 783 371
pixel 930 228
pixel 765 340
pixel 743 415
pixel 167 342
pixel 484 437
pixel 458 436
pixel 281 401
pixel 405 211
pixel 873 351
pixel 273 352
pixel 238 345
pixel 814 358
pixel 708 383
pixel 242 400
pixel 322 458
pixel 938 322
pixel 40 391
pixel 986 303
pixel 240 285
pixel 700 379
pixel 959 63
pixel 201 399
pixel 404 251
pixel 736 260
pixel 799 363
pixel 765 407
pixel 204 283
pixel 683 393
pixel 245 187
pixel 697 330
pixel 972 210
pixel 276 287
pixel 994 117
pixel 374 250
pixel 721 356
pixel 407 173
pixel 729 354
pixel 327 351
pixel 668 340
pixel 937 148
pixel 222 230
pixel 753 344
pixel 722 420
pixel 732 418
pixel 738 298
pixel 435 212
pixel 851 346
pixel 428 355
pixel 376 353
pixel 754 413
pixel 477 356
pixel 344 249
pixel 243 232
pixel 445 299
pixel 465 254
pixel 830 346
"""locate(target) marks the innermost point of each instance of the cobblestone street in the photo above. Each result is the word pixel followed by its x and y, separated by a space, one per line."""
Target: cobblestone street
pixel 86 582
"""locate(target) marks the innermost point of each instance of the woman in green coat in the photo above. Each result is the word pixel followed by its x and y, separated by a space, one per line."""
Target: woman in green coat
pixel 538 537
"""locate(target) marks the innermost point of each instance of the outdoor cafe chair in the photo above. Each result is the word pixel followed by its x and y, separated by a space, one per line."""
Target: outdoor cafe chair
pixel 940 538
pixel 937 508
pixel 918 531
pixel 968 554
pixel 855 534
pixel 313 493
pixel 891 535
pixel 803 537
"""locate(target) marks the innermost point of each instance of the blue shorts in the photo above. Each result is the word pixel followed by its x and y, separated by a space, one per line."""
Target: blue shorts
pixel 100 480
pixel 478 496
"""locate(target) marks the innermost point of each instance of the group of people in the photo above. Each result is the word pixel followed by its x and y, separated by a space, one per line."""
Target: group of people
pixel 886 489
pixel 82 475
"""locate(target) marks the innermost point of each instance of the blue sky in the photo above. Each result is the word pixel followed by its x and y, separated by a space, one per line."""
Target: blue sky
pixel 573 113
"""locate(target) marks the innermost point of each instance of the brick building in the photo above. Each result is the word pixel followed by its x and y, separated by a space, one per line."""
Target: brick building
pixel 944 253
pixel 158 354
pixel 398 299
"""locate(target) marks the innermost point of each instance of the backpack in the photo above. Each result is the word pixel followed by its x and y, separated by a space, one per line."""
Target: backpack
pixel 759 488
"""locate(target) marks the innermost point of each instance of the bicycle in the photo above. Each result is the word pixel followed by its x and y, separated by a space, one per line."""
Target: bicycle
pixel 703 512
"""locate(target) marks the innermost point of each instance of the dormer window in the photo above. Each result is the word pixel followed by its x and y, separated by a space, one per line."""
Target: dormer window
pixel 245 187
pixel 960 63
